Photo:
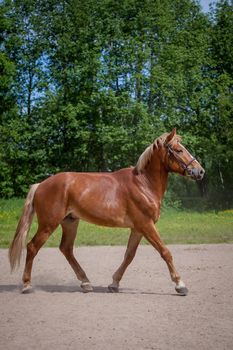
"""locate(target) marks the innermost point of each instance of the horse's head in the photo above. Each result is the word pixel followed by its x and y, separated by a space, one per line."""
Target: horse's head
pixel 176 157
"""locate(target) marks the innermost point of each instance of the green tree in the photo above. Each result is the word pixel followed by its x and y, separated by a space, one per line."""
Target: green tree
pixel 88 85
pixel 221 107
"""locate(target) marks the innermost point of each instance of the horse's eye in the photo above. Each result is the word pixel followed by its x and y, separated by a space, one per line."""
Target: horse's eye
pixel 179 151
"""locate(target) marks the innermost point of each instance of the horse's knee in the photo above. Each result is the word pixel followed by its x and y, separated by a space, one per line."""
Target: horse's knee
pixel 166 255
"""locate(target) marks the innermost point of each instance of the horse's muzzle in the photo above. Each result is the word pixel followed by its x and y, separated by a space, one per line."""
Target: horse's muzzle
pixel 195 173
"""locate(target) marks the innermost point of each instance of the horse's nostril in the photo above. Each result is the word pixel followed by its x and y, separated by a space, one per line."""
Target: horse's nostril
pixel 201 174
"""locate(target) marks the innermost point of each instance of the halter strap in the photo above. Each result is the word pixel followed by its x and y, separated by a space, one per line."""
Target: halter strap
pixel 179 160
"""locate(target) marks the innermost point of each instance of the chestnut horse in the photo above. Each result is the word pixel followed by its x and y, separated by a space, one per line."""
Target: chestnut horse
pixel 129 197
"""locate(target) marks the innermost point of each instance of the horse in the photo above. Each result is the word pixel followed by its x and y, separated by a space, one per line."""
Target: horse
pixel 130 198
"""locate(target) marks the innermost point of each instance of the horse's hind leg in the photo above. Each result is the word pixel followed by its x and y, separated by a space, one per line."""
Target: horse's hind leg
pixel 69 231
pixel 33 247
pixel 132 246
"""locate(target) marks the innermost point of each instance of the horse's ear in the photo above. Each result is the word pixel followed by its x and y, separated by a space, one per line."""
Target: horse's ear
pixel 170 136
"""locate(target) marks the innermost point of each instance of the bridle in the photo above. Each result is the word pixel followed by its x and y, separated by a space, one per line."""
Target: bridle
pixel 180 161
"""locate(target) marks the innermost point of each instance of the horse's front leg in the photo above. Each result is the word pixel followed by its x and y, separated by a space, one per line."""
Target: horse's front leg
pixel 152 235
pixel 133 243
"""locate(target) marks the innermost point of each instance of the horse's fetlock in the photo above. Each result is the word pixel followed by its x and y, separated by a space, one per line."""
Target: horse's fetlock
pixel 175 278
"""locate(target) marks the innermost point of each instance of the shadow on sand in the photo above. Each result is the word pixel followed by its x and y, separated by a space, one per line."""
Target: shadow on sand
pixel 76 289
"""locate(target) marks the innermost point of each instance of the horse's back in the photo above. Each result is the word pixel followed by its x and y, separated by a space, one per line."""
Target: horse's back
pixel 57 185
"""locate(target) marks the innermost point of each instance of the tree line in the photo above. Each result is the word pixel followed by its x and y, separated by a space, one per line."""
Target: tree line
pixel 87 85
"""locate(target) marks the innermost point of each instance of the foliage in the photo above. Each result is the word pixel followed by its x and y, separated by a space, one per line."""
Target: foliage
pixel 86 86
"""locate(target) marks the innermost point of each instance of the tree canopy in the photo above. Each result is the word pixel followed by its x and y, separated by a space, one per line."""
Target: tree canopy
pixel 87 85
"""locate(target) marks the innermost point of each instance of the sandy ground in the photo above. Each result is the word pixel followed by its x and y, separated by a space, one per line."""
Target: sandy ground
pixel 146 314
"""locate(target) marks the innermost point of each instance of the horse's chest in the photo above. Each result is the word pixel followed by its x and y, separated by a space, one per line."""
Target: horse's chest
pixel 148 205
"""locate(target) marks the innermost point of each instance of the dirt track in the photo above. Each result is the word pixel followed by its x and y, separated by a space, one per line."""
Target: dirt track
pixel 146 314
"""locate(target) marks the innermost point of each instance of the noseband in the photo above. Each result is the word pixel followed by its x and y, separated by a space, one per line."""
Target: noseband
pixel 179 160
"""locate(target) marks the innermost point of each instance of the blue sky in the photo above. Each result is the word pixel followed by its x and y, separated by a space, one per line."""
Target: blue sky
pixel 205 4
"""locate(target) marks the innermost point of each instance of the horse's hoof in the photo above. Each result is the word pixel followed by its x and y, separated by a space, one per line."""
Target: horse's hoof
pixel 27 288
pixel 182 290
pixel 86 287
pixel 113 289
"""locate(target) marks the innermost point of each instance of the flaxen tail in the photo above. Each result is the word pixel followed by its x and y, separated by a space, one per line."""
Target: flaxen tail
pixel 18 243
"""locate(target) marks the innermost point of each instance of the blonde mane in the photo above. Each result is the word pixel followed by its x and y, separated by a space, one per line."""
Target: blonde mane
pixel 145 157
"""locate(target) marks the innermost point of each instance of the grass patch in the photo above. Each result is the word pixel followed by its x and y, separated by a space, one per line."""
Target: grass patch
pixel 176 227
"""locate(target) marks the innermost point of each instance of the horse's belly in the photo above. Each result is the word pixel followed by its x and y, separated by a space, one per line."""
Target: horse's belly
pixel 103 217
pixel 101 212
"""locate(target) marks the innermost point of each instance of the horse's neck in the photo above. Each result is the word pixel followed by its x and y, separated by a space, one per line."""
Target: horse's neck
pixel 157 176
